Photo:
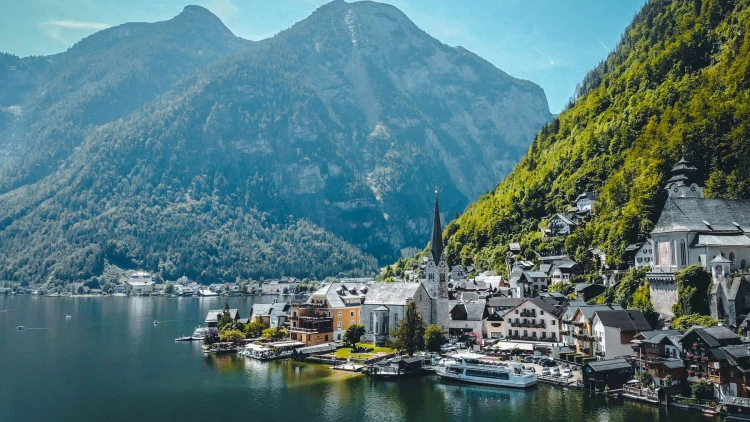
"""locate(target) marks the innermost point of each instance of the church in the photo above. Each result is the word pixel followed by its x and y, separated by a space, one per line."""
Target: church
pixel 385 304
pixel 693 230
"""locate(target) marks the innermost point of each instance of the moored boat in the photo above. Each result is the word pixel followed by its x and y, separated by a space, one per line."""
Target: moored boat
pixel 469 368
pixel 184 338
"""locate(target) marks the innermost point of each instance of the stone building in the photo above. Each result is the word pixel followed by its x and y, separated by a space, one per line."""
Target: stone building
pixel 694 230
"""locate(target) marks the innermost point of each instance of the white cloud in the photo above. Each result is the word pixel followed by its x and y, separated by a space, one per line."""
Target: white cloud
pixel 79 25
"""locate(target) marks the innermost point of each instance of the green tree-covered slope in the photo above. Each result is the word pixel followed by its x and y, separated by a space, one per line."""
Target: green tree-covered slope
pixel 678 83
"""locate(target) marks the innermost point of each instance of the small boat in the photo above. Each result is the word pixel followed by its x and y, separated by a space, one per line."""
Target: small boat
pixel 184 338
pixel 20 328
pixel 200 333
pixel 68 317
pixel 156 322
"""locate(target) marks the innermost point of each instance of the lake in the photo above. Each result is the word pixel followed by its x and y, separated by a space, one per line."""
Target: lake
pixel 109 362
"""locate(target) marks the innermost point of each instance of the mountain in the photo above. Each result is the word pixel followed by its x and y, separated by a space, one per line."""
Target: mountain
pixel 676 85
pixel 53 102
pixel 311 153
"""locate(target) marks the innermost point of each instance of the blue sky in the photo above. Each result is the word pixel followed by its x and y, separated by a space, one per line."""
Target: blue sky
pixel 550 42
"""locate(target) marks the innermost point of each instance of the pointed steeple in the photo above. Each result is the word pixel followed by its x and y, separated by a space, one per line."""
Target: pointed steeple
pixel 437 232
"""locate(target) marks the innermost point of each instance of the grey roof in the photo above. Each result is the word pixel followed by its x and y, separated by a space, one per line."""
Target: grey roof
pixel 536 274
pixel 673 363
pixel 625 319
pixel 589 195
pixel 467 296
pixel 504 302
pixel 215 314
pixel 647 335
pixel 514 246
pixel 475 310
pixel 609 364
pixel 713 336
pixel 550 306
pixel 737 239
pixel 335 293
pixel 689 214
pixel 261 309
pixel 588 311
pixel 545 268
pixel 391 293
pixel 565 219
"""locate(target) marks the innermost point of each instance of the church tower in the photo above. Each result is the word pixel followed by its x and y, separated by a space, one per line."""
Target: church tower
pixel 436 269
pixel 436 273
pixel 682 183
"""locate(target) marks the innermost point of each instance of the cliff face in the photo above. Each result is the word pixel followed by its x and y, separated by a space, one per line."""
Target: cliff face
pixel 336 131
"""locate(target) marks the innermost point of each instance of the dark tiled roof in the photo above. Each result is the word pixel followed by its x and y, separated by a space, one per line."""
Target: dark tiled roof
pixel 504 302
pixel 673 363
pixel 609 364
pixel 712 336
pixel 688 214
pixel 624 320
pixel 548 305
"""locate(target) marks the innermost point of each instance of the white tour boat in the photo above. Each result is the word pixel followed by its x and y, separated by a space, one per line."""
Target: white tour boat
pixel 467 367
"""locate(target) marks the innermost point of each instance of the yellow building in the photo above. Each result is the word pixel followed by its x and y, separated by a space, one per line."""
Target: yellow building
pixel 327 313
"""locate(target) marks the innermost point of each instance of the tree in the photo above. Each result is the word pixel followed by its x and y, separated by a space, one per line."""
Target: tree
pixel 693 283
pixel 232 335
pixel 410 333
pixel 642 301
pixel 353 334
pixel 169 289
pixel 434 338
pixel 254 328
pixel 275 333
pixel 562 287
pixel 684 323
pixel 225 321
pixel 644 377
pixel 703 390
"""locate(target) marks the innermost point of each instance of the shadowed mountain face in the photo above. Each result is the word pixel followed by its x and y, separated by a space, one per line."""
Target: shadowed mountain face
pixel 308 153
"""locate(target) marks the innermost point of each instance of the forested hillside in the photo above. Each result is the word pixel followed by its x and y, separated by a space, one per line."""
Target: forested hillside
pixel 677 84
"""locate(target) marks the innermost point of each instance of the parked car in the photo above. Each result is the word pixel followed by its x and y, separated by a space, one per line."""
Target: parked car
pixel 528 359
pixel 545 371
pixel 548 363
pixel 555 371
pixel 567 373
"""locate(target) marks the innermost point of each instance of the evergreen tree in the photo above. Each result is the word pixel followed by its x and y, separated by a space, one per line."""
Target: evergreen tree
pixel 410 333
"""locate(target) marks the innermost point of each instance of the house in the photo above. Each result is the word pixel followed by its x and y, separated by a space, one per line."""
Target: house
pixel 272 315
pixel 497 307
pixel 660 354
pixel 276 287
pixel 613 331
pixel 564 270
pixel 214 315
pixel 385 306
pixel 640 254
pixel 559 225
pixel 577 326
pixel 584 203
pixel 729 298
pixel 704 357
pixel 327 313
pixel 536 319
pixel 526 283
pixel 514 247
pixel 140 283
pixel 467 317
pixel 612 373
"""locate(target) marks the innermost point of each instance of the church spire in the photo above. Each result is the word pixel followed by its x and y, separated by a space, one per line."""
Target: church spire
pixel 437 232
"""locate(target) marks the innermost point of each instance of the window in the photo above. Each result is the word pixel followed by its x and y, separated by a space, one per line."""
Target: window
pixel 395 321
pixel 339 314
pixel 683 253
pixel 731 256
pixel 516 310
pixel 552 322
pixel 338 325
pixel 326 337
pixel 541 312
pixel 351 313
pixel 372 318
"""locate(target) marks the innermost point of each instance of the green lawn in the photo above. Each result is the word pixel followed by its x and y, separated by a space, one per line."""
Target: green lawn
pixel 345 353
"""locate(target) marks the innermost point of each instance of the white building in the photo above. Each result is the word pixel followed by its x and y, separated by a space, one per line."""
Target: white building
pixel 615 329
pixel 140 282
pixel 536 319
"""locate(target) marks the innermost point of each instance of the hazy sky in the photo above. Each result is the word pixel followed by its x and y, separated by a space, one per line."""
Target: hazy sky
pixel 550 42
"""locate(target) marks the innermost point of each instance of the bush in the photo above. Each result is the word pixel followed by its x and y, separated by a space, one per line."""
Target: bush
pixel 684 323
pixel 703 390
pixel 434 338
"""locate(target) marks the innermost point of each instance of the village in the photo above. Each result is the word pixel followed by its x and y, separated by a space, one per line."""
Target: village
pixel 601 345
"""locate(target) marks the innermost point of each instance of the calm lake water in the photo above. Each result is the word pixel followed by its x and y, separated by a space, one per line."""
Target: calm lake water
pixel 110 363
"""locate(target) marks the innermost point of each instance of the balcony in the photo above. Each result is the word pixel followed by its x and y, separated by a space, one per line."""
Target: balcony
pixel 526 313
pixel 527 324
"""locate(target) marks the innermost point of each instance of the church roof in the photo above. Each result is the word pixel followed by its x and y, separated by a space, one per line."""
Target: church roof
pixel 391 293
pixel 722 240
pixel 703 215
